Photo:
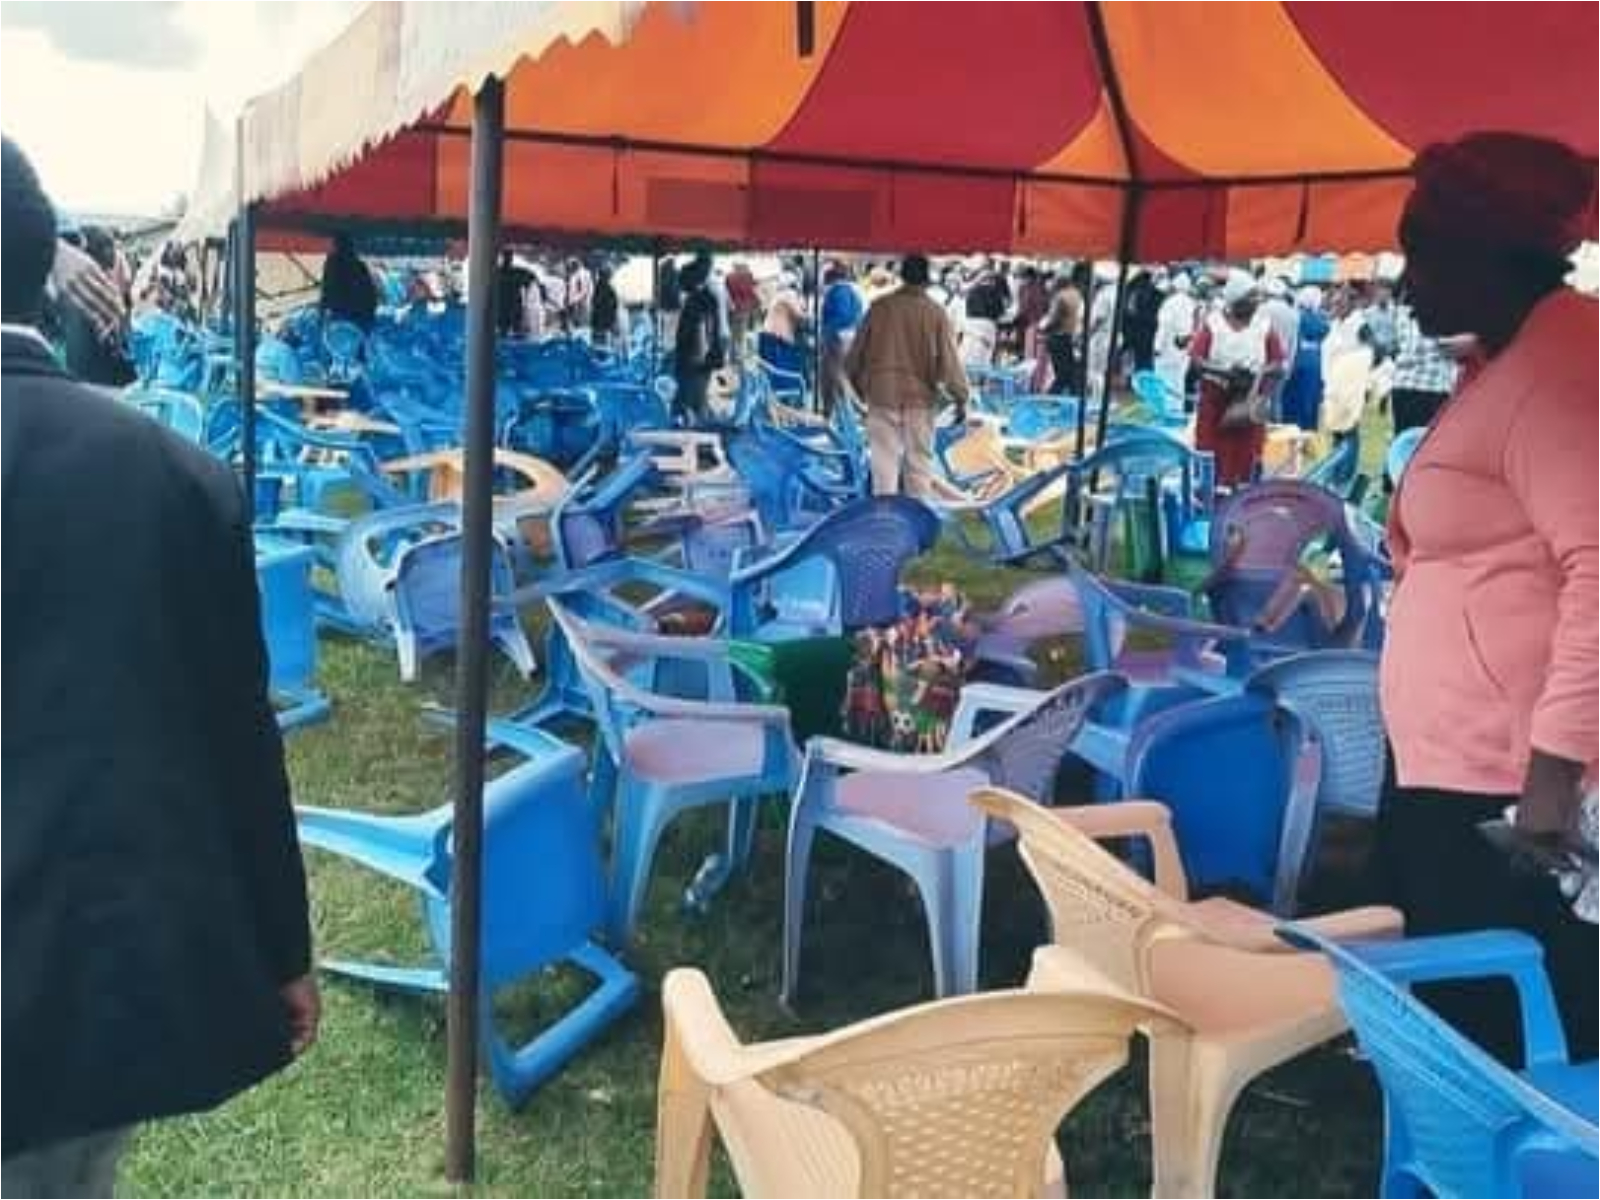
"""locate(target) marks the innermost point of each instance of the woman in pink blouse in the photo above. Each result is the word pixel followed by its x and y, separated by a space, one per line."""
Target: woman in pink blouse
pixel 1489 671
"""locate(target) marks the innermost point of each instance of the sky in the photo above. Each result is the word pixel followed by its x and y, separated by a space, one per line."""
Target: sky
pixel 109 99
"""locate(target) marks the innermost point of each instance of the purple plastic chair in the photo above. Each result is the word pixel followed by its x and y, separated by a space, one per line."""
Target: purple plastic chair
pixel 1257 540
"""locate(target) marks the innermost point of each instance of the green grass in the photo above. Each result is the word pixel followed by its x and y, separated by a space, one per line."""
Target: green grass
pixel 363 1114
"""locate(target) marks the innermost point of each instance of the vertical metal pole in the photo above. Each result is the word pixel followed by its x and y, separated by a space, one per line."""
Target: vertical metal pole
pixel 244 319
pixel 244 344
pixel 1130 225
pixel 816 329
pixel 472 679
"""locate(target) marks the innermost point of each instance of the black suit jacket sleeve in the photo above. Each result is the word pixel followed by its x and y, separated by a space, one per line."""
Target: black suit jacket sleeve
pixel 260 812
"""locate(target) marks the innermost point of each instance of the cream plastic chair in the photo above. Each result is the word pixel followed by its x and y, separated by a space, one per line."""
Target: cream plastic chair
pixel 955 1098
pixel 1247 1005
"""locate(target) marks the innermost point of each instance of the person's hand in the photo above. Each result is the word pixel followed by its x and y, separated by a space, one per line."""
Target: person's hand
pixel 304 1005
pixel 80 279
pixel 1550 796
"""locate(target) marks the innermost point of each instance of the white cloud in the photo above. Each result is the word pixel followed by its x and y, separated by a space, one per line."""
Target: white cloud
pixel 110 135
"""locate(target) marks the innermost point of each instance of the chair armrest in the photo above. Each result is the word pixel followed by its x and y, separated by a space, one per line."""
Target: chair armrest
pixel 1491 953
pixel 1146 819
pixel 837 753
pixel 1168 601
pixel 304 520
pixel 979 698
pixel 700 1034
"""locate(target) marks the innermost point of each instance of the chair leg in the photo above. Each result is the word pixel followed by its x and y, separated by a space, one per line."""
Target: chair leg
pixel 684 1125
pixel 637 828
pixel 797 865
pixel 405 646
pixel 743 816
pixel 1191 1095
pixel 952 898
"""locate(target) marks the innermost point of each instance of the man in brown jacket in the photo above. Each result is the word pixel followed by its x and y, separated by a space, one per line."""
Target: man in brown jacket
pixel 900 361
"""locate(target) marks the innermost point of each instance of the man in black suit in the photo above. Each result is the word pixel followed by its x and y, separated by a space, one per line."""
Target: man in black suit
pixel 155 936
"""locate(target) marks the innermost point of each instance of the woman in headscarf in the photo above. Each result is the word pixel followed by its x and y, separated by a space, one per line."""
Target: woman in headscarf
pixel 1489 667
pixel 1240 361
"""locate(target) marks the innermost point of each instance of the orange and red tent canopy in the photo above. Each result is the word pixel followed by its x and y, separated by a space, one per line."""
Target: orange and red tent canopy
pixel 1237 129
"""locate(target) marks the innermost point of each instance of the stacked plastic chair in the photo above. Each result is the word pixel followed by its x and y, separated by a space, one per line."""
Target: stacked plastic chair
pixel 1114 930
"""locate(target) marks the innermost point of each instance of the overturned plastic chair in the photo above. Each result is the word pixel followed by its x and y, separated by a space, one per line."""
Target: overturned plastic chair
pixel 911 811
pixel 955 1098
pixel 1244 1004
pixel 543 895
pixel 1457 1122
pixel 398 575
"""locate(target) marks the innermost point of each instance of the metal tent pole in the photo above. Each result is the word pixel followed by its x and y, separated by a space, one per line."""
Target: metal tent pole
pixel 244 347
pixel 472 680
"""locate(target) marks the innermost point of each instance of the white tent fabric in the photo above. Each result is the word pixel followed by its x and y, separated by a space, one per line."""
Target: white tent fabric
pixel 211 202
pixel 394 64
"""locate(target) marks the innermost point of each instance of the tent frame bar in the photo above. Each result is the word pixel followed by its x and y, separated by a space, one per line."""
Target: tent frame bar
pixel 802 159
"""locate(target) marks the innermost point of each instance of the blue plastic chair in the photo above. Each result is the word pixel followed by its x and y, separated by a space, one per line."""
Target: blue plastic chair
pixel 1338 469
pixel 1227 768
pixel 345 345
pixel 1400 453
pixel 1334 693
pixel 840 575
pixel 398 577
pixel 180 412
pixel 542 896
pixel 1457 1122
pixel 289 627
pixel 791 491
pixel 610 592
pixel 911 811
pixel 1166 404
pixel 278 361
pixel 660 755
pixel 1131 467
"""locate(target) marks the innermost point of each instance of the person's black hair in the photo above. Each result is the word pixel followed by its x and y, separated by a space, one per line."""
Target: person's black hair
pixel 27 237
pixel 100 245
pixel 344 245
pixel 914 270
pixel 695 274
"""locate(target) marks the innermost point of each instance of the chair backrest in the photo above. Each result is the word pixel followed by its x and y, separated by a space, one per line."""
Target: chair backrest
pixel 1257 540
pixel 1100 908
pixel 1400 451
pixel 960 1097
pixel 1229 822
pixel 288 621
pixel 1336 470
pixel 344 342
pixel 369 549
pixel 1335 692
pixel 1459 1123
pixel 180 412
pixel 278 361
pixel 1024 754
pixel 600 679
pixel 868 542
pixel 587 524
